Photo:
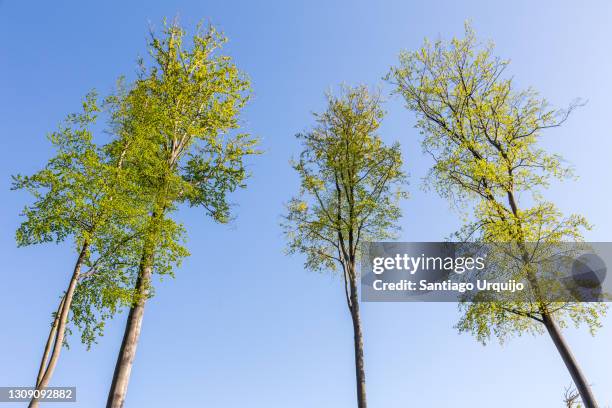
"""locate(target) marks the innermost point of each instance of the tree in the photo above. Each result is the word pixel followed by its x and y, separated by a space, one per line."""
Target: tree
pixel 571 398
pixel 83 194
pixel 350 186
pixel 180 112
pixel 483 136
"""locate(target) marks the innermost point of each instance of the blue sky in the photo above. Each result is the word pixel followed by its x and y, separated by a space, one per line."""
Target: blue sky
pixel 243 325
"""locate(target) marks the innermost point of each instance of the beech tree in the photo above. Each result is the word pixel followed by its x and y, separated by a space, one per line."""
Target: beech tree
pixel 182 113
pixel 483 134
pixel 350 186
pixel 83 195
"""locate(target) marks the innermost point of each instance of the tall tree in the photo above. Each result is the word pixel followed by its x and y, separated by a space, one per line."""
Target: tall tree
pixel 84 195
pixel 182 112
pixel 483 136
pixel 350 186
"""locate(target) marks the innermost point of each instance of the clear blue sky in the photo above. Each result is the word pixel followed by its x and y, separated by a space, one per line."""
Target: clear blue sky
pixel 243 325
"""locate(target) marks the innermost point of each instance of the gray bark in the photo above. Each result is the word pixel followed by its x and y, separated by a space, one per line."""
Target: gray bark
pixel 125 359
pixel 358 344
pixel 50 338
pixel 570 362
pixel 555 333
pixel 60 330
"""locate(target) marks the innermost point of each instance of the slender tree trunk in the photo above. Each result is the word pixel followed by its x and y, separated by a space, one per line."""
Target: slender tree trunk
pixel 60 328
pixel 358 342
pixel 553 330
pixel 125 359
pixel 570 362
pixel 52 332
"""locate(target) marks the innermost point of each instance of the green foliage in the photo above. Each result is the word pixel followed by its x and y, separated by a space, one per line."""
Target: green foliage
pixel 483 137
pixel 170 132
pixel 66 191
pixel 181 111
pixel 172 142
pixel 350 183
pixel 83 194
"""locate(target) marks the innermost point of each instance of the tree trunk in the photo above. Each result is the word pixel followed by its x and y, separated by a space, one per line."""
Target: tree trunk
pixel 358 342
pixel 60 328
pixel 553 330
pixel 570 362
pixel 125 359
pixel 52 332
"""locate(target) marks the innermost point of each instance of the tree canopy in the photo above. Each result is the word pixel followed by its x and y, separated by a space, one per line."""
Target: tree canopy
pixel 350 182
pixel 483 135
